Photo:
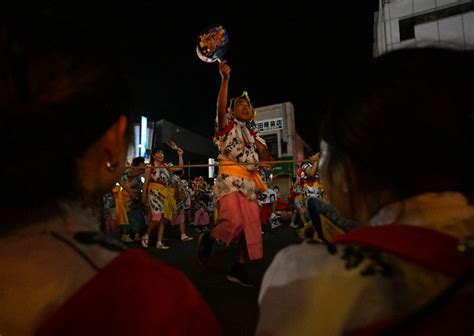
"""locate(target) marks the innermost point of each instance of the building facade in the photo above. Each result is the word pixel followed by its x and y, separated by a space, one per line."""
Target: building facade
pixel 277 126
pixel 419 23
pixel 150 134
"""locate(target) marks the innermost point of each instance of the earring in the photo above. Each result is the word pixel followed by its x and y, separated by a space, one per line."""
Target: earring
pixel 110 166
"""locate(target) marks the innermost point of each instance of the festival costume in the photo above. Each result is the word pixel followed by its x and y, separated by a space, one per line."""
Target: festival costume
pixel 160 194
pixel 65 278
pixel 311 185
pixel 201 216
pixel 181 195
pixel 378 273
pixel 135 211
pixel 236 187
pixel 121 211
pixel 165 303
pixel 133 183
pixel 267 204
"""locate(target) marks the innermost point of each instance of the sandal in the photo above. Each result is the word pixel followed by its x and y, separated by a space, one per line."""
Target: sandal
pixel 161 246
pixel 186 238
pixel 145 241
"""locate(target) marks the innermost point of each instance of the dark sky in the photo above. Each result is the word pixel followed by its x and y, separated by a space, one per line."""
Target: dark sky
pixel 295 52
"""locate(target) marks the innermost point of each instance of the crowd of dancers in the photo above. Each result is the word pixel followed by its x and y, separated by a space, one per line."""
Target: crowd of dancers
pixel 396 157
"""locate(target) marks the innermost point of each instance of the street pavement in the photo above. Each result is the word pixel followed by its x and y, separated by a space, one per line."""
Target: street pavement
pixel 235 306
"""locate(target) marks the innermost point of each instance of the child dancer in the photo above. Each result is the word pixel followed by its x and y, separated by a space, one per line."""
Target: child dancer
pixel 157 192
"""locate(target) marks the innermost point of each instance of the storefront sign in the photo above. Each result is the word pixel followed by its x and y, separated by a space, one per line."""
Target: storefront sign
pixel 270 124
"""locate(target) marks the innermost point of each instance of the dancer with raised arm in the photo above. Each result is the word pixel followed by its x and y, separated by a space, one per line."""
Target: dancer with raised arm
pixel 235 191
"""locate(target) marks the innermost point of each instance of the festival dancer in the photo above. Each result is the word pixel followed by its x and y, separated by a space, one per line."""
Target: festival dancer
pixel 181 195
pixel 201 216
pixel 311 189
pixel 132 186
pixel 236 187
pixel 157 193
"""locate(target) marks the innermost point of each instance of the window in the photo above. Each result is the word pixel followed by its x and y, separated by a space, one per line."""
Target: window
pixel 272 143
pixel 407 26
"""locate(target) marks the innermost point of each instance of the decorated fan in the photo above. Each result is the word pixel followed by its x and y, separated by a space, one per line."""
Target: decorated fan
pixel 171 144
pixel 212 44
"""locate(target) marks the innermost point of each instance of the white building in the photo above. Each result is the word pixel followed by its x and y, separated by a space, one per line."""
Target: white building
pixel 277 126
pixel 420 23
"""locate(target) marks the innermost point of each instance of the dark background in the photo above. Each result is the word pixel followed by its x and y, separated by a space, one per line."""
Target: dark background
pixel 298 52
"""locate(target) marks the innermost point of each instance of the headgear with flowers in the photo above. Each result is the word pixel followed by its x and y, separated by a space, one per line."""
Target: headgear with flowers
pixel 245 96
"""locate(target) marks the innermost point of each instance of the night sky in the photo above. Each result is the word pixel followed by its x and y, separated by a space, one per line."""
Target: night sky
pixel 297 53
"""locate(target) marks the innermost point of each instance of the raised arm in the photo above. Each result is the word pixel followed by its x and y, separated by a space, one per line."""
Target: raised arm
pixel 311 171
pixel 224 70
pixel 180 161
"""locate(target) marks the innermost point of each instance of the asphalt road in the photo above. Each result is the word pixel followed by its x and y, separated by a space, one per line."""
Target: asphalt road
pixel 235 306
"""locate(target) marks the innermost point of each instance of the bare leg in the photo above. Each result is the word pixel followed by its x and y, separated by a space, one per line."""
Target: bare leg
pixel 149 230
pixel 161 230
pixel 188 215
pixel 184 236
pixel 182 229
pixel 151 227
pixel 293 216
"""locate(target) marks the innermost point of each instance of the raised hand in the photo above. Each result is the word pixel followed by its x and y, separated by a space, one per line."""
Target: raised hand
pixel 224 70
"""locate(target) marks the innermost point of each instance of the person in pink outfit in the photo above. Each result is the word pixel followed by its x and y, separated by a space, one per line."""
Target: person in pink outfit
pixel 235 191
pixel 201 216
pixel 181 194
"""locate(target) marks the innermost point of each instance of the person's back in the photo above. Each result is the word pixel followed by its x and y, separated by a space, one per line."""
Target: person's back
pixel 65 104
pixel 396 156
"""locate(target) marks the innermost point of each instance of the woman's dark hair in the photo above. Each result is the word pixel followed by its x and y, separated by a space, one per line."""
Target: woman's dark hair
pixel 407 124
pixel 137 161
pixel 61 88
pixel 311 152
pixel 154 151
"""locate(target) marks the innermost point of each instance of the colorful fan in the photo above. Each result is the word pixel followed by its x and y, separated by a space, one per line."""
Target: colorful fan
pixel 212 44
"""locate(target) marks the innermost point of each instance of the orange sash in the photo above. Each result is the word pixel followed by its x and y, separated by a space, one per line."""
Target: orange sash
pixel 122 217
pixel 240 171
pixel 169 202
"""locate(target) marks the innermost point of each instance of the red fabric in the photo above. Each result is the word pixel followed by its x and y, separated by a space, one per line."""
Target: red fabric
pixel 432 250
pixel 422 246
pixel 299 172
pixel 265 212
pixel 237 214
pixel 226 129
pixel 282 205
pixel 201 217
pixel 292 196
pixel 134 295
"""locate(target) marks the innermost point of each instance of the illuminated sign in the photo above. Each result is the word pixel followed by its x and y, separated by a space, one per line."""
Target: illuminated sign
pixel 143 136
pixel 270 124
